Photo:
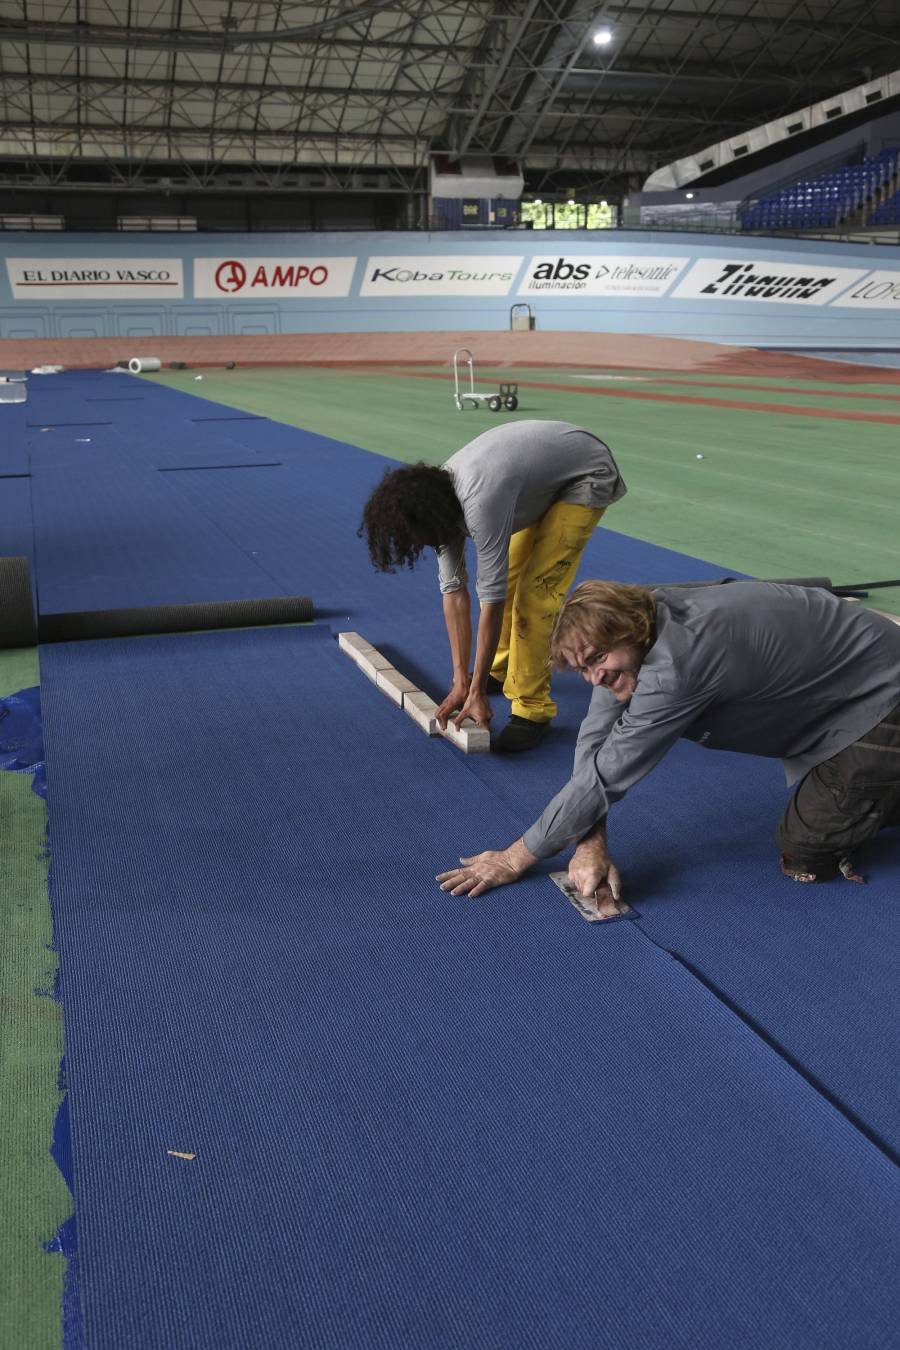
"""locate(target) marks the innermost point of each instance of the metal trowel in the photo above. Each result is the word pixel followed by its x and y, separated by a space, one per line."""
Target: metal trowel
pixel 587 905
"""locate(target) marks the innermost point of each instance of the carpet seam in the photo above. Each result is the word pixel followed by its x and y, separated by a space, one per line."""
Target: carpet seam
pixel 853 1120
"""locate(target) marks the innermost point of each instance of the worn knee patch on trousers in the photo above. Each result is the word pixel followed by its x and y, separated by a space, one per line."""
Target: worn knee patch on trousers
pixel 845 801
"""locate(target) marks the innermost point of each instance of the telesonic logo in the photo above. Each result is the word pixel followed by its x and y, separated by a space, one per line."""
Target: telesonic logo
pixel 740 279
pixel 231 276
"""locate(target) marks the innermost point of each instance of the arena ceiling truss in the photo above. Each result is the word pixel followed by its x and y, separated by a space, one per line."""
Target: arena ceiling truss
pixel 112 93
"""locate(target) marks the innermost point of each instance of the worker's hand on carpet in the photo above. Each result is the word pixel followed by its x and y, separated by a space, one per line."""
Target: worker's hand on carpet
pixel 476 706
pixel 455 700
pixel 494 867
pixel 594 873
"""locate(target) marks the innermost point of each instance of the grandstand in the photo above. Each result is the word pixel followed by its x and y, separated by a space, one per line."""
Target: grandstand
pixel 887 212
pixel 262 1082
pixel 832 199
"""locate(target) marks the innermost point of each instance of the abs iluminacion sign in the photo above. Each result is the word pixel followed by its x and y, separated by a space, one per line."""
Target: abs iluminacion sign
pixel 599 274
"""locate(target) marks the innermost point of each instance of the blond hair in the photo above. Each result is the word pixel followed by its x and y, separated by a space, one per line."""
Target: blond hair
pixel 605 614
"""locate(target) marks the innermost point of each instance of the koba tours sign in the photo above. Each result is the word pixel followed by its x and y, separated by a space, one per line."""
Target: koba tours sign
pixel 593 274
pixel 439 275
pixel 764 282
pixel 95 279
pixel 240 278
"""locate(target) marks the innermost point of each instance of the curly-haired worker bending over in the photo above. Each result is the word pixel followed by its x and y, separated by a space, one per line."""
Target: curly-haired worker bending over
pixel 529 495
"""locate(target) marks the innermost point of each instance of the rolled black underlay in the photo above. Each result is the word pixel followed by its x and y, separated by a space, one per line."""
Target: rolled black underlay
pixel 821 583
pixel 103 623
pixel 18 627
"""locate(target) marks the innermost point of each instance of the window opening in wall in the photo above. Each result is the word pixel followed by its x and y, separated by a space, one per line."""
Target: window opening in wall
pixel 538 214
pixel 567 215
pixel 600 216
pixel 32 222
pixel 177 224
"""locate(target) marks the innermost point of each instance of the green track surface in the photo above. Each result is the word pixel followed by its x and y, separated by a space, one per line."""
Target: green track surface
pixel 34 1200
pixel 776 494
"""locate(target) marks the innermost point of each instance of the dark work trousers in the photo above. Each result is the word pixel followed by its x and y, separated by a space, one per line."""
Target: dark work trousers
pixel 844 802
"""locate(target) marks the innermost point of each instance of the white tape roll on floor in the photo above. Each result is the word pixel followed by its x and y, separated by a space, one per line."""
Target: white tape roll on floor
pixel 138 364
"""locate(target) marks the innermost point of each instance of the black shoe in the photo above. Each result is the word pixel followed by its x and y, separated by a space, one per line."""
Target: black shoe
pixel 519 734
pixel 494 686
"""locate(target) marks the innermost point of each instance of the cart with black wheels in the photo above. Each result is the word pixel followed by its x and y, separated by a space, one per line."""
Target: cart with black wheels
pixel 465 392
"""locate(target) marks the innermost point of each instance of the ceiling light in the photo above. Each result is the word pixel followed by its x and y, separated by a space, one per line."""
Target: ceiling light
pixel 538 201
pixel 690 196
pixel 570 202
pixel 603 37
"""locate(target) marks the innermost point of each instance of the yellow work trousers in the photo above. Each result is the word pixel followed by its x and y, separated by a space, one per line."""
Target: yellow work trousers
pixel 542 563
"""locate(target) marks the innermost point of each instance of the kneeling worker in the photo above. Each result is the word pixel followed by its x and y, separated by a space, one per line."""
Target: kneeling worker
pixel 760 667
pixel 529 495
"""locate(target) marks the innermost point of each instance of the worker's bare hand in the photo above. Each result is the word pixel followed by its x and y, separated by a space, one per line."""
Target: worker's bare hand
pixel 480 873
pixel 594 873
pixel 477 706
pixel 455 700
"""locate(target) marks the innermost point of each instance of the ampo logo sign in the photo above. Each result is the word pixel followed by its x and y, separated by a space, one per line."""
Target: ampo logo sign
pixel 231 276
pixel 246 278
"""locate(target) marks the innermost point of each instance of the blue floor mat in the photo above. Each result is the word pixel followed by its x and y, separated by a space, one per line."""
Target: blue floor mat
pixel 15 519
pixel 703 817
pixel 169 439
pixel 814 968
pixel 122 537
pixel 91 454
pixel 308 514
pixel 696 839
pixel 418 1122
pixel 14 458
pixel 301 521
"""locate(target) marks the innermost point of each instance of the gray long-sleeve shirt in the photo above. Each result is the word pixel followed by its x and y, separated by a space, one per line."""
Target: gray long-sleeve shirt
pixel 506 479
pixel 782 671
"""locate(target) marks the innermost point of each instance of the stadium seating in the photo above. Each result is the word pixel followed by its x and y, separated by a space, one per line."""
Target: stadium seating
pixel 888 213
pixel 826 201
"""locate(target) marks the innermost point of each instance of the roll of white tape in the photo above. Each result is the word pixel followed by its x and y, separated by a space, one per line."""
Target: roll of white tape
pixel 138 364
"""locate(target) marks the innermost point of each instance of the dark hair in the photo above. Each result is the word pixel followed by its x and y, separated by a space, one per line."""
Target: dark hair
pixel 410 510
